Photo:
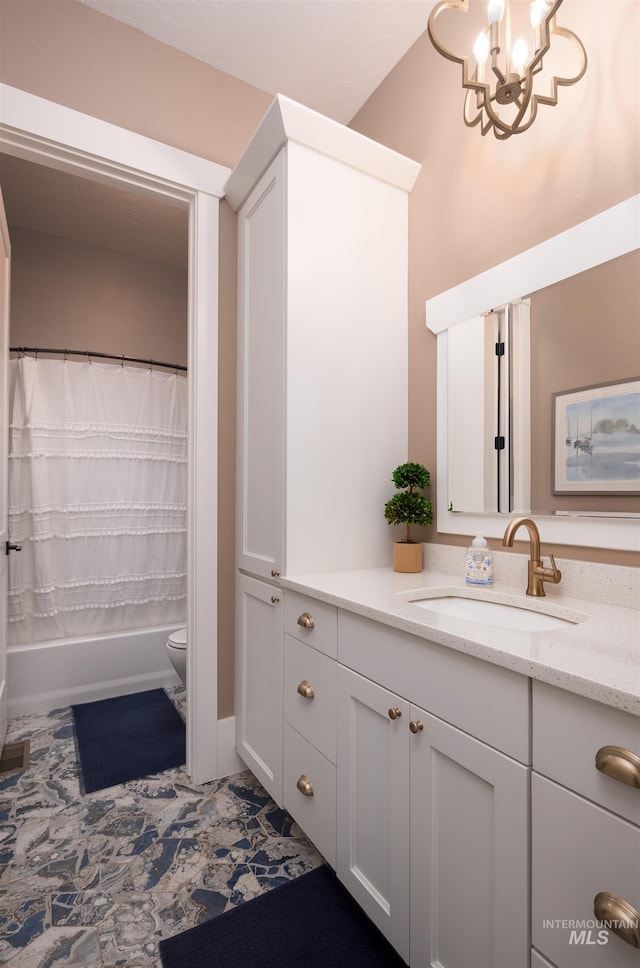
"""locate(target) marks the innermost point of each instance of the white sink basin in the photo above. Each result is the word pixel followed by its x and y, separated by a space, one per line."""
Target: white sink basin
pixel 509 615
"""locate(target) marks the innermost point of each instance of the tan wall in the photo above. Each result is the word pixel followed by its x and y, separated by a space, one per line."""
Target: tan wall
pixel 68 295
pixel 478 201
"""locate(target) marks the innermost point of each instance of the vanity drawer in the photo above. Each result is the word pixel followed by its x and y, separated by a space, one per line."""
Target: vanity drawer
pixel 568 731
pixel 579 850
pixel 478 697
pixel 311 621
pixel 315 813
pixel 310 695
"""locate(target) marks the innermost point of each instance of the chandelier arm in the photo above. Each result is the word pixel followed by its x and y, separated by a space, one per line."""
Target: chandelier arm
pixel 461 6
pixel 579 46
pixel 496 70
pixel 547 28
pixel 535 100
pixel 466 114
pixel 496 121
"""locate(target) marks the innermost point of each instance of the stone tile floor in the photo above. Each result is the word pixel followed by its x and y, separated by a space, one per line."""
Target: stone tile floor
pixel 96 881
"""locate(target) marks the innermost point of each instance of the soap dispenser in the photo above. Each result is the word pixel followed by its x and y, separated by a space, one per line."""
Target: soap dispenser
pixel 479 562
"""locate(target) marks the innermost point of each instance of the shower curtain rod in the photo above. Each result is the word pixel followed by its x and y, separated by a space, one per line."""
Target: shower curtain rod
pixel 102 356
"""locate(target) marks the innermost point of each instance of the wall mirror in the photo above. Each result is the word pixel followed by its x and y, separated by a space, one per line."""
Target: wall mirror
pixel 529 353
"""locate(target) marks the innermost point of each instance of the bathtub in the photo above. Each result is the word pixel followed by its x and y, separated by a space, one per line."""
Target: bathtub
pixel 46 675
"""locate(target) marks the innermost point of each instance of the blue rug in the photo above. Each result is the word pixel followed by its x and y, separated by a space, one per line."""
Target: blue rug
pixel 311 922
pixel 128 737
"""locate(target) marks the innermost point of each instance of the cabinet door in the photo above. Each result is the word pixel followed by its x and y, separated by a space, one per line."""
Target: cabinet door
pixel 373 803
pixel 259 665
pixel 261 387
pixel 469 851
pixel 580 850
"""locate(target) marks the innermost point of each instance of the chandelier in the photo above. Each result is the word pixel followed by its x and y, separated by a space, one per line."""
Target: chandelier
pixel 500 75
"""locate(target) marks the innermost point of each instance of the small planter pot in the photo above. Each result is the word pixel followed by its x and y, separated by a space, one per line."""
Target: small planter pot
pixel 407 556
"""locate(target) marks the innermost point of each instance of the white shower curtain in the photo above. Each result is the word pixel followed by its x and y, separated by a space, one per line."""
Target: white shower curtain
pixel 97 498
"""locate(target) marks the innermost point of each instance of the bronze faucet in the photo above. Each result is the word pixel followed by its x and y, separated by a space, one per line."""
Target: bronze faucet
pixel 538 574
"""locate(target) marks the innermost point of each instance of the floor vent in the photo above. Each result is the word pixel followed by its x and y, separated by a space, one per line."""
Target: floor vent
pixel 15 756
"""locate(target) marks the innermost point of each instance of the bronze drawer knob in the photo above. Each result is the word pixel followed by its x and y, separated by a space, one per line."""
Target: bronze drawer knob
pixel 306 689
pixel 305 786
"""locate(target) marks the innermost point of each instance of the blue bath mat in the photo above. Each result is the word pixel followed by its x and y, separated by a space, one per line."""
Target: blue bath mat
pixel 312 921
pixel 128 737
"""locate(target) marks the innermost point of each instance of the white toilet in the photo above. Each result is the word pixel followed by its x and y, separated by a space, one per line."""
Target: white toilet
pixel 177 651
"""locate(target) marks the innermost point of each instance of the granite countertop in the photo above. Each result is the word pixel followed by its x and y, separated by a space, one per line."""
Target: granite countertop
pixel 597 656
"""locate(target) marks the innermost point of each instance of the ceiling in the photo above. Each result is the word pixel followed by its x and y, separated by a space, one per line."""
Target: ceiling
pixel 329 55
pixel 52 202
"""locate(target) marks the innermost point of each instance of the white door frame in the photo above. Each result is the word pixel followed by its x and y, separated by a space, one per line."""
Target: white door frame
pixel 5 285
pixel 50 134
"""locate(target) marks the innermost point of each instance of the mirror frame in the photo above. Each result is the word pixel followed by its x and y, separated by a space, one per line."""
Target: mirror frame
pixel 606 236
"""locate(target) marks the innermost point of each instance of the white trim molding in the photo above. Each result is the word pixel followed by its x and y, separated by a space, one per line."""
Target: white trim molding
pixel 286 120
pixel 605 236
pixel 40 130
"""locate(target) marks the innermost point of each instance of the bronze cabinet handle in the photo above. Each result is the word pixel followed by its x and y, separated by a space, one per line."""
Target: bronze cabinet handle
pixel 305 786
pixel 395 713
pixel 620 764
pixel 416 726
pixel 306 690
pixel 306 621
pixel 621 917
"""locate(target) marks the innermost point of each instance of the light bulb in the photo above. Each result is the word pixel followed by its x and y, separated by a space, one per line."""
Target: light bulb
pixel 481 48
pixel 495 11
pixel 519 55
pixel 538 12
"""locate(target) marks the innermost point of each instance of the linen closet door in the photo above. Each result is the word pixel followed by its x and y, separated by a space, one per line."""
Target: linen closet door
pixel 5 267
pixel 261 351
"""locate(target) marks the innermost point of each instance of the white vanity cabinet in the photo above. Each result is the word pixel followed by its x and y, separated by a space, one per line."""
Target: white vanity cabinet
pixel 309 711
pixel 433 822
pixel 585 830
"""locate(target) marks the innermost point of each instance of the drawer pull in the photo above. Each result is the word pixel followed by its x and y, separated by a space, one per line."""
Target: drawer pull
pixel 416 725
pixel 275 573
pixel 274 599
pixel 395 713
pixel 306 690
pixel 620 764
pixel 305 786
pixel 625 920
pixel 306 621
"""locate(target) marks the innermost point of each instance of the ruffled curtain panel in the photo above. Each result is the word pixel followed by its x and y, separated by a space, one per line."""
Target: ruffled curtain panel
pixel 97 498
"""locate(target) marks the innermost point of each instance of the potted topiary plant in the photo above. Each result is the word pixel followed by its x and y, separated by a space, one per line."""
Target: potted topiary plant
pixel 409 507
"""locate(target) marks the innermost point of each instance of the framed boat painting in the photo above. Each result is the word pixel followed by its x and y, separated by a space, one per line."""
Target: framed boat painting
pixel 596 434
